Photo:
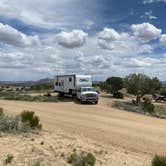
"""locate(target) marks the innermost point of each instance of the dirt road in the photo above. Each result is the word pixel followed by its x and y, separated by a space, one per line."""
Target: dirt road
pixel 133 132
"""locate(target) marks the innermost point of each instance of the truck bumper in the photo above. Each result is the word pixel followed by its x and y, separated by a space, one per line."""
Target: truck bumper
pixel 89 100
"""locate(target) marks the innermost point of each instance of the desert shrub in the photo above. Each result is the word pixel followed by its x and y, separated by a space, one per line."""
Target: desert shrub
pixel 31 119
pixel 12 124
pixel 159 160
pixel 163 91
pixel 17 96
pixel 127 106
pixel 1 111
pixel 17 89
pixel 47 94
pixel 83 159
pixel 9 90
pixel 42 86
pixel 72 158
pixel 89 159
pixel 24 122
pixel 9 159
pixel 148 106
pixel 9 124
pixel 36 163
pixel 118 95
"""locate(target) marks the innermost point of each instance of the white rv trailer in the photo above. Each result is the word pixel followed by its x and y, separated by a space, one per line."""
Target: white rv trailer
pixel 78 85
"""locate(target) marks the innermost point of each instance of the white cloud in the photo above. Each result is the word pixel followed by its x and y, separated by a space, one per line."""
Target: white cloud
pixel 97 64
pixel 146 31
pixel 122 43
pixel 6 10
pixel 73 39
pixel 121 51
pixel 163 39
pixel 139 62
pixel 149 15
pixel 11 36
pixel 48 14
pixel 134 63
pixel 110 38
pixel 43 16
pixel 109 34
pixel 152 1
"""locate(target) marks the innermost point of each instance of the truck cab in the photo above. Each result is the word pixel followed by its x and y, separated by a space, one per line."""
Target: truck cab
pixel 87 94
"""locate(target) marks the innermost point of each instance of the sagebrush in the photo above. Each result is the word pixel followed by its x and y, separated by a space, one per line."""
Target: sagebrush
pixel 159 160
pixel 24 122
pixel 82 159
pixel 31 119
pixel 148 106
pixel 9 159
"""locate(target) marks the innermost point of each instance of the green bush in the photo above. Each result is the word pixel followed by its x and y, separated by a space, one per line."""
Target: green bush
pixel 83 159
pixel 89 159
pixel 9 159
pixel 36 163
pixel 31 119
pixel 72 158
pixel 42 86
pixel 118 95
pixel 163 91
pixel 148 106
pixel 159 160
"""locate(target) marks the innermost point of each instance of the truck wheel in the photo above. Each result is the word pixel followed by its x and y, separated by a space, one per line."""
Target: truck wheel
pixel 78 99
pixel 96 102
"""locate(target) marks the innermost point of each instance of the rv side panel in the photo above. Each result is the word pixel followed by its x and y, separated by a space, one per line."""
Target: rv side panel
pixel 64 83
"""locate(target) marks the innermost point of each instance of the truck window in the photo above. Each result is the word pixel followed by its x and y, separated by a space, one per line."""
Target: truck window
pixel 87 89
pixel 70 79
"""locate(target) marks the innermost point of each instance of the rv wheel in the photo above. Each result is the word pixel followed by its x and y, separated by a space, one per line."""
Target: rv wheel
pixel 61 94
pixel 96 102
pixel 82 102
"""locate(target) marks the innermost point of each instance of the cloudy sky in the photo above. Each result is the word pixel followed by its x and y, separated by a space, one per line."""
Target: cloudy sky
pixel 42 38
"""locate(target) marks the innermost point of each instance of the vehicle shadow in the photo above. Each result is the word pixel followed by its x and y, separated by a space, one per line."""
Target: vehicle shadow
pixel 69 98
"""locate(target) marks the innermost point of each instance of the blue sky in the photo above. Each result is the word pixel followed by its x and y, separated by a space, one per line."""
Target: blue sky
pixel 99 37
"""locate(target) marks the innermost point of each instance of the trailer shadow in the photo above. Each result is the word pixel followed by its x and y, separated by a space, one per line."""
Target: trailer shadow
pixel 68 98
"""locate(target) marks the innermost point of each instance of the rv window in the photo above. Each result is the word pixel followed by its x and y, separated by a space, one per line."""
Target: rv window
pixel 70 79
pixel 56 83
pixel 59 84
pixel 84 80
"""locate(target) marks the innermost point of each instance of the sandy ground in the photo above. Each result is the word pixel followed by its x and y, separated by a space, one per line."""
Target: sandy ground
pixel 124 138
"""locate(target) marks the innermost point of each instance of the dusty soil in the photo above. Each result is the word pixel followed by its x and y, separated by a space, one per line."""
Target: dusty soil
pixel 126 138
